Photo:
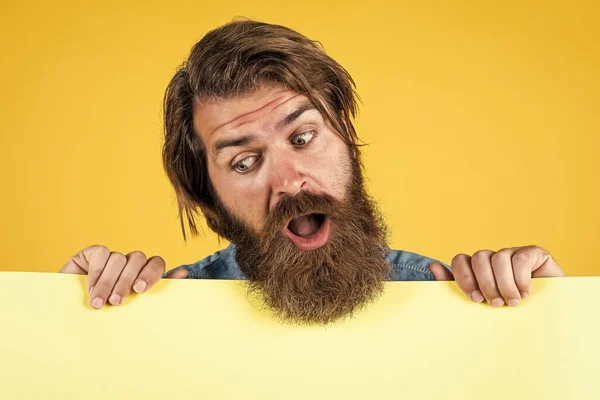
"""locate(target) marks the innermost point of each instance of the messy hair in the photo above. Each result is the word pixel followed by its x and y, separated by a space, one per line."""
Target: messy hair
pixel 232 61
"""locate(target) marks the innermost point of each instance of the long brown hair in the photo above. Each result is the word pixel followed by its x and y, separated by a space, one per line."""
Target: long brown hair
pixel 232 61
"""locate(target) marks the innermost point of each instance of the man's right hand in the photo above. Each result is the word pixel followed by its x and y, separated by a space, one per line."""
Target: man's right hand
pixel 112 276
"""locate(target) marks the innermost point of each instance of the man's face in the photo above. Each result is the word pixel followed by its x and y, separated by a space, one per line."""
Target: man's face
pixel 266 145
pixel 291 198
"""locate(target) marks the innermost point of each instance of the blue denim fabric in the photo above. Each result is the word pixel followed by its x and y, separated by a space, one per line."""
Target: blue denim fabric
pixel 406 266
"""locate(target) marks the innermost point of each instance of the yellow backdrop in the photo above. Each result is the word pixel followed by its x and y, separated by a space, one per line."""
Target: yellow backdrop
pixel 482 120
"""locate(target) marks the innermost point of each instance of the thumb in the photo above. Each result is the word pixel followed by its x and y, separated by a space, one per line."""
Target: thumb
pixel 440 273
pixel 180 273
pixel 548 269
pixel 72 267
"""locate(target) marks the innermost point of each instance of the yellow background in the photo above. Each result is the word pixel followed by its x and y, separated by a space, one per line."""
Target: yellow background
pixel 204 339
pixel 482 120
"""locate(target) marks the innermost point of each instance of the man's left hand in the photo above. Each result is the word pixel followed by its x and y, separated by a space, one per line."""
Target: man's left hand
pixel 502 277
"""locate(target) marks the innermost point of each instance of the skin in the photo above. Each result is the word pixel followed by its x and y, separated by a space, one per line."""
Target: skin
pixel 501 277
pixel 306 154
pixel 278 165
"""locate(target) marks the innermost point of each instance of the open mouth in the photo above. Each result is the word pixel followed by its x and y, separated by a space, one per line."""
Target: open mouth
pixel 309 232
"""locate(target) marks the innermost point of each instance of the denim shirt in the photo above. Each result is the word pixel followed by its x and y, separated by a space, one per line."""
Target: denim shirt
pixel 405 266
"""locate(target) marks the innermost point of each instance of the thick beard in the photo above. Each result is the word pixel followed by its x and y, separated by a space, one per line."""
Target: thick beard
pixel 325 284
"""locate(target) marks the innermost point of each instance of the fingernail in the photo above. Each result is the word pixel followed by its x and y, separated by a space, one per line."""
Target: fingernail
pixel 140 286
pixel 524 295
pixel 97 303
pixel 513 302
pixel 115 300
pixel 497 302
pixel 91 289
pixel 476 296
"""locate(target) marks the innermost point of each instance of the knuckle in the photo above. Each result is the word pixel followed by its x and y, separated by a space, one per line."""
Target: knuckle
pixel 496 257
pixel 159 259
pixel 118 257
pixel 103 288
pixel 101 249
pixel 464 278
pixel 159 263
pixel 543 252
pixel 522 257
pixel 459 259
pixel 481 255
pixel 138 256
pixel 78 259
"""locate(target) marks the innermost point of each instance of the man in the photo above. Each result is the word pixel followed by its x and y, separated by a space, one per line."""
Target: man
pixel 259 138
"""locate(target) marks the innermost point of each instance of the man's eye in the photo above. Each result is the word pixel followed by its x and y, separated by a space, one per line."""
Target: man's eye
pixel 302 138
pixel 245 164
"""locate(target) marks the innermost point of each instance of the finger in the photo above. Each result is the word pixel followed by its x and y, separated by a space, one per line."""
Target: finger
pixel 95 258
pixel 523 262
pixel 545 266
pixel 71 267
pixel 105 284
pixel 180 273
pixel 152 272
pixel 136 261
pixel 549 269
pixel 533 261
pixel 440 273
pixel 482 268
pixel 465 277
pixel 505 278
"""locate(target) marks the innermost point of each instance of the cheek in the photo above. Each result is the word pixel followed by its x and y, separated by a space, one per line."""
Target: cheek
pixel 244 198
pixel 336 170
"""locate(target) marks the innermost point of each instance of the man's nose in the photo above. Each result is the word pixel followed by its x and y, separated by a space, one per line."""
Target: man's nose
pixel 287 179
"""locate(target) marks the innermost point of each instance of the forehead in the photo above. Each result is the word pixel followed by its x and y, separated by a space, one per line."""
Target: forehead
pixel 216 115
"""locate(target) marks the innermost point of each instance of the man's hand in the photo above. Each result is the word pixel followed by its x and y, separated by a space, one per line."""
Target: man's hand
pixel 112 276
pixel 498 277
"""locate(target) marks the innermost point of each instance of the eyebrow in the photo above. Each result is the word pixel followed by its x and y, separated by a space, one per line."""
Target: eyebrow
pixel 224 143
pixel 294 115
pixel 220 145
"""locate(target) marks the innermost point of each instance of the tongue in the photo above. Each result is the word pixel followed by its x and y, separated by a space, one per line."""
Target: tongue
pixel 305 226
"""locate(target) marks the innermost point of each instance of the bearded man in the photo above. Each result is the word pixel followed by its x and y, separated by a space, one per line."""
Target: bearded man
pixel 259 139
